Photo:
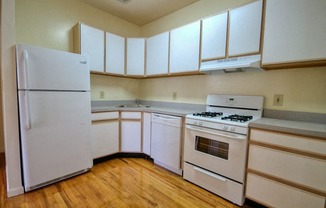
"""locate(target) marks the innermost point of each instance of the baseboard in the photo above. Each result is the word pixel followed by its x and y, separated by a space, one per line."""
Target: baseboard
pixel 120 155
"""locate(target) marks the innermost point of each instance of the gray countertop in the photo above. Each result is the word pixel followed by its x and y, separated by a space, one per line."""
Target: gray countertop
pixel 288 126
pixel 164 110
pixel 293 126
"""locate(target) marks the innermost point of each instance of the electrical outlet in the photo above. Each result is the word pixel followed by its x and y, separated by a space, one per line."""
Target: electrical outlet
pixel 174 95
pixel 278 100
pixel 102 94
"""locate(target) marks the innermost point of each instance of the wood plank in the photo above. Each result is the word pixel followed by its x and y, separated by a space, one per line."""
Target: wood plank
pixel 118 183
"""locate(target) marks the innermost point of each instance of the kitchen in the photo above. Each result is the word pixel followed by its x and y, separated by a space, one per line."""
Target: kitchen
pixel 51 24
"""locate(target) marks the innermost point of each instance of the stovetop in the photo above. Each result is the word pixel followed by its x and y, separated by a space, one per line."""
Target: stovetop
pixel 220 115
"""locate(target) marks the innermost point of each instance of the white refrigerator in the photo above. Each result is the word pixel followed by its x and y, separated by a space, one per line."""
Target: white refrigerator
pixel 54 115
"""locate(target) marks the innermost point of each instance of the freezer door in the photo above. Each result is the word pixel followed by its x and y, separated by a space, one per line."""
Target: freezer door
pixel 55 132
pixel 47 69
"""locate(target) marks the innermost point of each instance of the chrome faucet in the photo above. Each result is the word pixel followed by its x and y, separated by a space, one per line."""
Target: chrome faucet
pixel 137 101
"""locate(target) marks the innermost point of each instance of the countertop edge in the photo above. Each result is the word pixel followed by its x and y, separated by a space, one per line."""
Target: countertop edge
pixel 293 127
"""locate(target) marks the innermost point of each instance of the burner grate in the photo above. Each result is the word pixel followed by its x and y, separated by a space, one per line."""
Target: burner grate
pixel 208 114
pixel 237 118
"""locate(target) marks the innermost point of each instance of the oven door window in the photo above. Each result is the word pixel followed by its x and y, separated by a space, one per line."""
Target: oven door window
pixel 212 147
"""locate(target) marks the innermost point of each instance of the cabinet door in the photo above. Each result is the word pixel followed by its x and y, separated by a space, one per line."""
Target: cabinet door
pixel 115 54
pixel 157 54
pixel 147 133
pixel 214 36
pixel 105 138
pixel 184 48
pixel 92 45
pixel 245 29
pixel 105 134
pixel 295 31
pixel 130 136
pixel 135 56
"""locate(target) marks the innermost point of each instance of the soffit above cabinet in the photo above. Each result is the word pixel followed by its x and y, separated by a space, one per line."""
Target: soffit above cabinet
pixel 139 12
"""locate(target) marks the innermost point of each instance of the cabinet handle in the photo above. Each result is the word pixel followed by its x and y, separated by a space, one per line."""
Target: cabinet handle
pixel 210 174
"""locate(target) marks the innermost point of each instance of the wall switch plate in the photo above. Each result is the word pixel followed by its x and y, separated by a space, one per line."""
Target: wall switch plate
pixel 102 94
pixel 278 100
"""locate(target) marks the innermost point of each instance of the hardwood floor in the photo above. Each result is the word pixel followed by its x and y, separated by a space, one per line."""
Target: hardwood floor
pixel 121 182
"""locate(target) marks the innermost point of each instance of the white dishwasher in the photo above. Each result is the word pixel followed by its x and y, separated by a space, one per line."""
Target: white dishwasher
pixel 166 141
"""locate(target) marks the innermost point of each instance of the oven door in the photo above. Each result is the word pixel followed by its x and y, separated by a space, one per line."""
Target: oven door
pixel 217 151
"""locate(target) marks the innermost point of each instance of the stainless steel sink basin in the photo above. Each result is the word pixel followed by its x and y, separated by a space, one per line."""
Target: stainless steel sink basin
pixel 134 106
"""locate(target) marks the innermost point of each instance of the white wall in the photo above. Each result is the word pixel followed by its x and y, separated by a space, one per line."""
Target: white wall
pixel 9 98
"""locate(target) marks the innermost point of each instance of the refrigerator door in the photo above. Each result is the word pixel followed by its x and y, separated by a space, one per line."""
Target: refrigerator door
pixel 55 135
pixel 47 69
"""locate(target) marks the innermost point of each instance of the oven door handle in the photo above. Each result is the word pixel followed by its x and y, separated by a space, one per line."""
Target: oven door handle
pixel 223 134
pixel 210 174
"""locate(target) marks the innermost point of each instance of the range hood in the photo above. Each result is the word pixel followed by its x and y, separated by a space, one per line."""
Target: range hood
pixel 231 65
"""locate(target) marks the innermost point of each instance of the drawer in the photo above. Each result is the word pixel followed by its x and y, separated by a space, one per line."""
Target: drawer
pixel 275 194
pixel 290 141
pixel 300 169
pixel 105 116
pixel 131 115
pixel 223 187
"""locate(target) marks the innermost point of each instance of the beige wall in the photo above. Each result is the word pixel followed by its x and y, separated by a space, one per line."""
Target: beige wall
pixel 303 89
pixel 48 23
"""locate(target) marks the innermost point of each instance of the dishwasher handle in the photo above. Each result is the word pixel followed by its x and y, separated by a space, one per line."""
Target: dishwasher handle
pixel 167 119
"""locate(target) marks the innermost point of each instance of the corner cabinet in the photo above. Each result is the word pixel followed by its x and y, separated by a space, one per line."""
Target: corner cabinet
pixel 295 34
pixel 90 41
pixel 105 134
pixel 157 54
pixel 286 170
pixel 184 48
pixel 115 54
pixel 135 56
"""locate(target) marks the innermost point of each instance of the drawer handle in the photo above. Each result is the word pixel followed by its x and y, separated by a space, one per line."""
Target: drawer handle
pixel 210 174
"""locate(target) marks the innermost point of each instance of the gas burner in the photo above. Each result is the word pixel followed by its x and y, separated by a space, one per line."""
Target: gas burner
pixel 208 114
pixel 237 118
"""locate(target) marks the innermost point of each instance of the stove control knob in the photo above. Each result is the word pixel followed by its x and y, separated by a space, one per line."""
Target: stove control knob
pixel 232 128
pixel 200 123
pixel 195 122
pixel 225 128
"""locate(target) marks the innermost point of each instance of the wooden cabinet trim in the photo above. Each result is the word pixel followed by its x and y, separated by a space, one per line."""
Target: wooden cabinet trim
pixel 105 120
pixel 298 64
pixel 289 150
pixel 286 182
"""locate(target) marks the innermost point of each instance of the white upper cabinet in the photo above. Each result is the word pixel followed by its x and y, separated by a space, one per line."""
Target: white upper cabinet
pixel 157 54
pixel 115 54
pixel 214 31
pixel 135 56
pixel 295 31
pixel 92 45
pixel 184 48
pixel 245 29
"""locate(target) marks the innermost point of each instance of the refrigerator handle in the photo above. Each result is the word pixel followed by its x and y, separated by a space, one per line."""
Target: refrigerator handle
pixel 25 68
pixel 28 114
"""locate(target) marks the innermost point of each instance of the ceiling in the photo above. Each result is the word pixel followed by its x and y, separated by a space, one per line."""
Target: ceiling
pixel 139 12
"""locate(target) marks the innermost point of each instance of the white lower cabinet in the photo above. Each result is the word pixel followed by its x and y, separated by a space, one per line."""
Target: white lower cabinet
pixel 105 134
pixel 131 131
pixel 286 170
pixel 147 133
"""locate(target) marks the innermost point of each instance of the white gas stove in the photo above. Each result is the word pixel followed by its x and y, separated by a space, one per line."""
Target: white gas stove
pixel 216 141
pixel 228 113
